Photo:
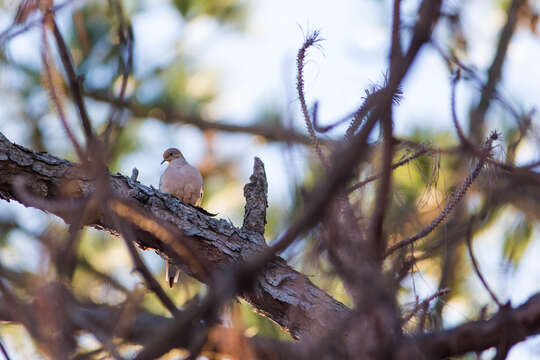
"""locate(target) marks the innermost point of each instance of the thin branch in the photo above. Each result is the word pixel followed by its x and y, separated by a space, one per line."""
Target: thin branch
pixel 54 93
pixel 151 283
pixel 322 129
pixel 355 117
pixel 4 351
pixel 108 279
pixel 395 50
pixel 475 264
pixel 461 135
pixel 532 165
pixel 74 81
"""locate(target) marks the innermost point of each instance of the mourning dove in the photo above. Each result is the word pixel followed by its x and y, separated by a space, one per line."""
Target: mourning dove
pixel 183 181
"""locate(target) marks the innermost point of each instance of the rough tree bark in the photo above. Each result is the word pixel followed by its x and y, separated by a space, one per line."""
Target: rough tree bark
pixel 280 293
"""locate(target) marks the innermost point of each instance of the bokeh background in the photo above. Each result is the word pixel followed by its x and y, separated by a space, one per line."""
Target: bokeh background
pixel 234 61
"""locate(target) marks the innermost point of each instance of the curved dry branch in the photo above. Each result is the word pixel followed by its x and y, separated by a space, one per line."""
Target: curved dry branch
pixel 311 40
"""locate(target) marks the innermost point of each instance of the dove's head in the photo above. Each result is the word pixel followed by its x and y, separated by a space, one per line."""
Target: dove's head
pixel 171 154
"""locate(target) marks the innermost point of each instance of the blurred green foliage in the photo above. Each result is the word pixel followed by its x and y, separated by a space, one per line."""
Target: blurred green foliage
pixel 516 240
pixel 225 11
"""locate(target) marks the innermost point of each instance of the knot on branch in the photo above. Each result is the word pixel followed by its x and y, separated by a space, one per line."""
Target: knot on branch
pixel 256 192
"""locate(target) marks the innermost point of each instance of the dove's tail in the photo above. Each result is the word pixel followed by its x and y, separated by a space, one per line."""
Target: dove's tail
pixel 171 273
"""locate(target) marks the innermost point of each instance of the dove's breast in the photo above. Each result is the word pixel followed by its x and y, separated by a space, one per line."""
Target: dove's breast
pixel 183 181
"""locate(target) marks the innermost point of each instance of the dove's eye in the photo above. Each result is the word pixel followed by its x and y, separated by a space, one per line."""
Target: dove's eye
pixel 171 153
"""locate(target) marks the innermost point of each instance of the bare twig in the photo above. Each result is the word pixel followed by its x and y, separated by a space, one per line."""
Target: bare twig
pixel 475 264
pixel 322 129
pixel 356 116
pixel 54 93
pixel 461 135
pixel 74 81
pixel 151 283
pixel 4 351
pixel 108 279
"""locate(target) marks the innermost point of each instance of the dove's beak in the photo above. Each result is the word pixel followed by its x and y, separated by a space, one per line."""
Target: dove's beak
pixel 163 161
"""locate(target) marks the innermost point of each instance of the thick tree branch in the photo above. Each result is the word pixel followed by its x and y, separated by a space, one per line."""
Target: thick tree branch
pixel 280 293
pixel 508 326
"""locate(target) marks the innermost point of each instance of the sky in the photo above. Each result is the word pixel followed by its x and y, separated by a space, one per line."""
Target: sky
pixel 255 68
